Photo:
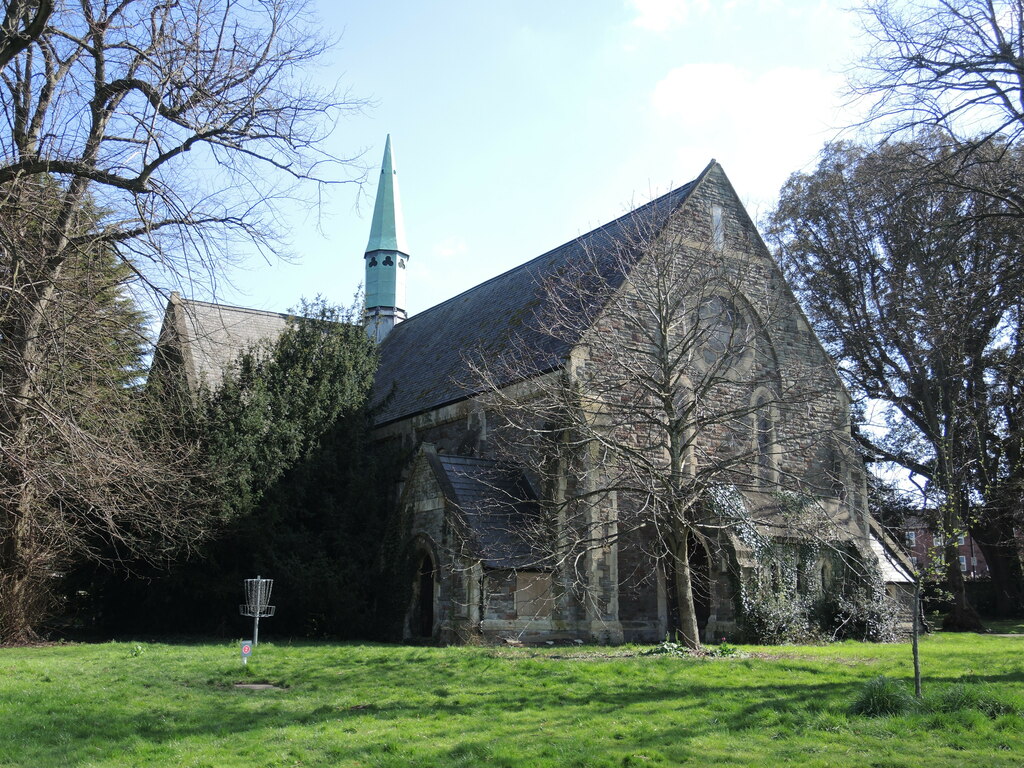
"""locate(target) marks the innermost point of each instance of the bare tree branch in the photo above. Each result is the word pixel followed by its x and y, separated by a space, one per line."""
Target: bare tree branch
pixel 911 272
pixel 23 23
pixel 955 65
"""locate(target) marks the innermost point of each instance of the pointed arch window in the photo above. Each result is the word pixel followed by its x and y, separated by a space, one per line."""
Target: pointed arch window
pixel 765 439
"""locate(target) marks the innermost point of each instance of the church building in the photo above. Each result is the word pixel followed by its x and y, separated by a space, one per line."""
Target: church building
pixel 495 552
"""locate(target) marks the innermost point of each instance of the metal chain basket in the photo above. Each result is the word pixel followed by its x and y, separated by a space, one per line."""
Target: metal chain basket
pixel 257 598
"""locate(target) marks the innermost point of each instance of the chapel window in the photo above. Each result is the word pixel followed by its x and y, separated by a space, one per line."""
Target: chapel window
pixel 724 332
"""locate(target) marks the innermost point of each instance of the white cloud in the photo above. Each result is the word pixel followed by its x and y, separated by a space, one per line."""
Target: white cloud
pixel 660 15
pixel 761 125
pixel 722 95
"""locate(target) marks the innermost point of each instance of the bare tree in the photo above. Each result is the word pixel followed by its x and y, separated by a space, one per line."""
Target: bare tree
pixel 955 65
pixel 678 416
pixel 160 134
pixel 914 282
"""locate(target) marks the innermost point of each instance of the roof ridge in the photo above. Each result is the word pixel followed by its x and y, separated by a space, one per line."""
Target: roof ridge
pixel 423 364
pixel 236 308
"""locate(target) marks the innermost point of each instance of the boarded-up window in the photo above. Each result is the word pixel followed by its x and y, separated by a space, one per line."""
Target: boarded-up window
pixel 533 594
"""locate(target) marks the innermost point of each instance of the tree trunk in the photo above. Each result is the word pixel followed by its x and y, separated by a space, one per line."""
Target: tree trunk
pixel 22 589
pixel 20 601
pixel 995 538
pixel 22 584
pixel 23 572
pixel 22 577
pixel 962 617
pixel 684 595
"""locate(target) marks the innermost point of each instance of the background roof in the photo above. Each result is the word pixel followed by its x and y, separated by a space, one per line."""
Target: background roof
pixel 211 336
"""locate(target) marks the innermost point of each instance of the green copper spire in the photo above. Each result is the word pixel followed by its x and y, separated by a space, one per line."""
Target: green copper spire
pixel 387 231
pixel 386 256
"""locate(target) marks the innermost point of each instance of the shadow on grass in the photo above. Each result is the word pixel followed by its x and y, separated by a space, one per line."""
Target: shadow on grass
pixel 94 731
pixel 444 706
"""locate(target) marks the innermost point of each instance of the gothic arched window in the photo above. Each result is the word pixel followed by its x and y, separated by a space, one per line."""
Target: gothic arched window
pixel 723 332
pixel 765 440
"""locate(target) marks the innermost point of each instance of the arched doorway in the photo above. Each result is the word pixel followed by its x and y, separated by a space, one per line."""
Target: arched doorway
pixel 422 620
pixel 700 572
pixel 700 578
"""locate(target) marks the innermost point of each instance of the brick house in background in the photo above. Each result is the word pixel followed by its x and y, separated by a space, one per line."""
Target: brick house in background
pixel 925 548
pixel 463 511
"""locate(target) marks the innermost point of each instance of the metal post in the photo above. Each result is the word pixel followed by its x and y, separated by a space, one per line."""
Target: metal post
pixel 256 613
pixel 915 633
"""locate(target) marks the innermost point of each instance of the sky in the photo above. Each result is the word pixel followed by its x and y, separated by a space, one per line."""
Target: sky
pixel 519 126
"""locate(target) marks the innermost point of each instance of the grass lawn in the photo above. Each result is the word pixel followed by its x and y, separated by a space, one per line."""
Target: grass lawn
pixel 128 704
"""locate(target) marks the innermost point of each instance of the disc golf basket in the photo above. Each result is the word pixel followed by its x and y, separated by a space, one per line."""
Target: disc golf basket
pixel 257 599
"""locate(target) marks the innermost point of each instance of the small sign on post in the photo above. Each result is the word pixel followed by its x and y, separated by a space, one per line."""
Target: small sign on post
pixel 246 651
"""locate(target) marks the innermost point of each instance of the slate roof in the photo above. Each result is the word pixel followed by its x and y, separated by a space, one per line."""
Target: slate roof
pixel 423 360
pixel 210 336
pixel 423 364
pixel 498 509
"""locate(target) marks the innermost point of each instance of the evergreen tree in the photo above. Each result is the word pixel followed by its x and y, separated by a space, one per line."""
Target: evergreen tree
pixel 299 486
